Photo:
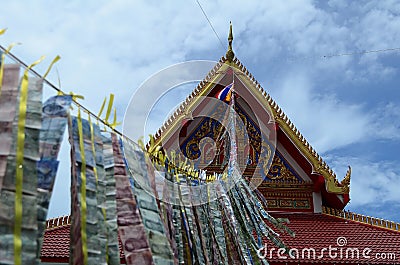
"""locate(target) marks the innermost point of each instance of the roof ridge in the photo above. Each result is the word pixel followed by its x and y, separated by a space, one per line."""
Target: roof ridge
pixel 58 222
pixel 189 99
pixel 360 218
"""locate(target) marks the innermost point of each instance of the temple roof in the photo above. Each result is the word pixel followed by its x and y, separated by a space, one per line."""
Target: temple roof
pixel 205 87
pixel 347 232
pixel 316 231
pixel 56 241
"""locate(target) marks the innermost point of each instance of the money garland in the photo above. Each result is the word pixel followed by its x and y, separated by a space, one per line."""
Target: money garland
pixel 131 230
pixel 112 250
pixel 8 101
pixel 217 230
pixel 198 233
pixel 172 218
pixel 144 191
pixel 54 121
pixel 100 177
pixel 85 238
pixel 187 222
pixel 18 217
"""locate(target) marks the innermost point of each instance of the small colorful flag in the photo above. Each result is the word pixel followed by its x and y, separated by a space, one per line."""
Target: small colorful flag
pixel 226 93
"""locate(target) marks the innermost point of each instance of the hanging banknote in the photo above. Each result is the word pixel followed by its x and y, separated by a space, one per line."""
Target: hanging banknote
pixel 132 232
pixel 54 120
pixel 8 102
pixel 18 214
pixel 110 205
pixel 100 178
pixel 85 213
pixel 172 217
pixel 144 191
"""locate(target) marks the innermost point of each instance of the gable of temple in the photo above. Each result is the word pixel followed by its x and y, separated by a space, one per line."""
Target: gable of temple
pixel 270 149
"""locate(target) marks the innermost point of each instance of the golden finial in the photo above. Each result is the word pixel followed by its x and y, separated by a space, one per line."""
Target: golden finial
pixel 229 53
pixel 230 37
pixel 346 179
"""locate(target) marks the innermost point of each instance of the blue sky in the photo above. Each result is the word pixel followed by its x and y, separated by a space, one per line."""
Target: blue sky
pixel 347 107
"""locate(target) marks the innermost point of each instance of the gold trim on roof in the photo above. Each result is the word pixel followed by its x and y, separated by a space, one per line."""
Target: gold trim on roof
pixel 360 218
pixel 182 111
pixel 204 87
pixel 58 222
pixel 319 166
pixel 287 185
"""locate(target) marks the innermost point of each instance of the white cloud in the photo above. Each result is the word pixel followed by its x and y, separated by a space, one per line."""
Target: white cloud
pixel 385 122
pixel 372 182
pixel 324 120
pixel 60 202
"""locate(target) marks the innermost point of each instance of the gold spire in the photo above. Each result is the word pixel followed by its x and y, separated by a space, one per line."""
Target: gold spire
pixel 229 53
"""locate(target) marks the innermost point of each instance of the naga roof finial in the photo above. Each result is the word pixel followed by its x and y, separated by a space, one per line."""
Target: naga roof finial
pixel 229 54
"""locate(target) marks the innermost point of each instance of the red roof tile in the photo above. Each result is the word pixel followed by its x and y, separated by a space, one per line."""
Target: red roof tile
pixel 56 241
pixel 347 239
pixel 56 244
pixel 314 232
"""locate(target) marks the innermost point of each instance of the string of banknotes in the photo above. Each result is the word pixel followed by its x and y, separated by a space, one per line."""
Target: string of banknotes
pixel 116 197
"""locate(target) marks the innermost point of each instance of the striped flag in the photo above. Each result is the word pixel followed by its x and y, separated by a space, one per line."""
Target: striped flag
pixel 226 93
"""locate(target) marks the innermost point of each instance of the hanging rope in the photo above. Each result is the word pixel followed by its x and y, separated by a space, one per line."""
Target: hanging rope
pixel 60 92
pixel 3 58
pixel 212 27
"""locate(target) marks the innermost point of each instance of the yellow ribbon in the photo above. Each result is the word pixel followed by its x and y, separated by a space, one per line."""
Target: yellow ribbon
pixel 108 113
pixel 83 189
pixel 208 193
pixel 101 109
pixel 3 59
pixel 141 143
pixel 115 123
pixel 58 79
pixel 177 178
pixel 51 65
pixel 76 96
pixel 19 160
pixel 73 95
pixel 109 108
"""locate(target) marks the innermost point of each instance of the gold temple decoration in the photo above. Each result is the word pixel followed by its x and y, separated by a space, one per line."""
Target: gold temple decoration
pixel 346 181
pixel 279 171
pixel 360 218
pixel 229 54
